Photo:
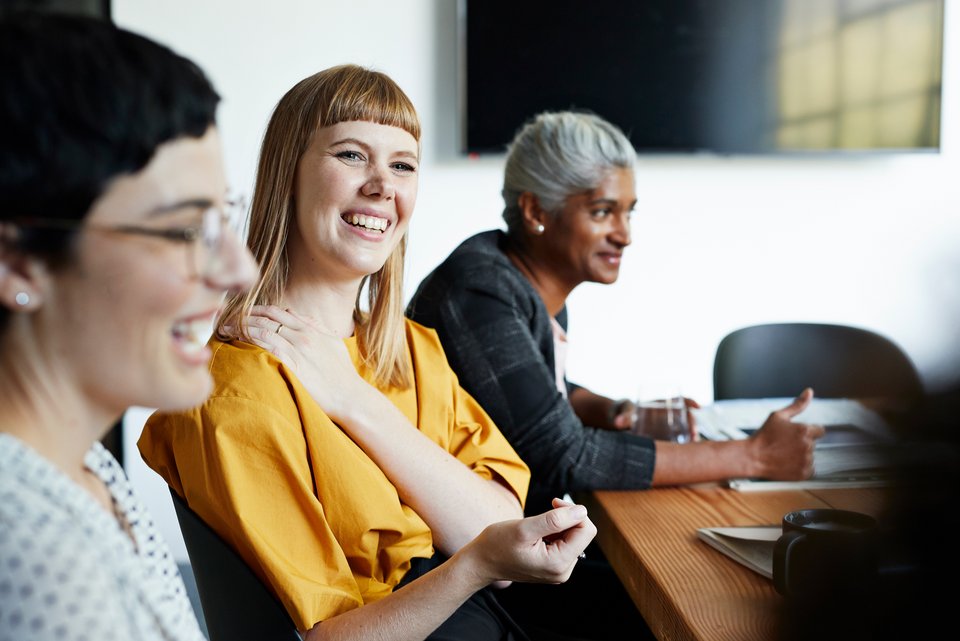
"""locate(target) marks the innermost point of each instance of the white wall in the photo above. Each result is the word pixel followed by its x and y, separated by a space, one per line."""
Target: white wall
pixel 719 242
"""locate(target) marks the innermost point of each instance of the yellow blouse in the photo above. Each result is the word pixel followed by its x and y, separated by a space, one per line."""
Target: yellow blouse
pixel 312 515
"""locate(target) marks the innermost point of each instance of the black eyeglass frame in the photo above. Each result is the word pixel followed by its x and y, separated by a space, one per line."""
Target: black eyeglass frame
pixel 187 235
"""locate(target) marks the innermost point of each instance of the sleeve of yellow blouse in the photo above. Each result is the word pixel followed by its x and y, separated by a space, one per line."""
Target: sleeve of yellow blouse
pixel 244 469
pixel 479 444
pixel 472 437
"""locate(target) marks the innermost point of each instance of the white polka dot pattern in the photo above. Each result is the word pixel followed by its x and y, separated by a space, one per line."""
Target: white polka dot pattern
pixel 68 571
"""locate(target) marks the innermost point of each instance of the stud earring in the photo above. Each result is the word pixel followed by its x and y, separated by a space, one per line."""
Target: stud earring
pixel 540 228
pixel 22 298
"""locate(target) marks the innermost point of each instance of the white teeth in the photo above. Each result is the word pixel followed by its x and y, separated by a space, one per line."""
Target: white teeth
pixel 367 222
pixel 193 335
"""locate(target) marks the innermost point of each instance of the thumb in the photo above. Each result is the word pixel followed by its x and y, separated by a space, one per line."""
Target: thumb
pixel 799 404
pixel 554 521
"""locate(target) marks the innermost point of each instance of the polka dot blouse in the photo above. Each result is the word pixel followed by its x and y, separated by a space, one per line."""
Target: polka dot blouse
pixel 68 571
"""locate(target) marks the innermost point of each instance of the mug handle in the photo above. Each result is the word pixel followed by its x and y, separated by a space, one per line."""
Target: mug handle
pixel 781 560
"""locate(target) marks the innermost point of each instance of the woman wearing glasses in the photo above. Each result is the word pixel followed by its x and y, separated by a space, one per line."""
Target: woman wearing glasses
pixel 113 256
pixel 337 452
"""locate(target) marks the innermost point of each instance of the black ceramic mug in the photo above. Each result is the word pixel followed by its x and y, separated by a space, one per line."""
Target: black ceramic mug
pixel 825 551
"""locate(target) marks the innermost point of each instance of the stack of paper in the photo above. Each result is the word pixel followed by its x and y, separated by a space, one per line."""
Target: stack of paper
pixel 752 546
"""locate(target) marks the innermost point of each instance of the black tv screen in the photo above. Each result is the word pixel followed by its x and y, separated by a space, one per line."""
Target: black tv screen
pixel 721 76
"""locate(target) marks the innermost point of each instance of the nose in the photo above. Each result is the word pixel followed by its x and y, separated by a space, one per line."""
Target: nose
pixel 235 269
pixel 379 183
pixel 620 234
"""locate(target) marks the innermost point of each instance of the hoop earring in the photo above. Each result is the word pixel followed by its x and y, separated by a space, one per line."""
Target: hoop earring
pixel 22 298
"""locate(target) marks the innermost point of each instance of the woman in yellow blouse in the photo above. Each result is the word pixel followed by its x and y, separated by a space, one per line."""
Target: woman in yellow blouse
pixel 338 453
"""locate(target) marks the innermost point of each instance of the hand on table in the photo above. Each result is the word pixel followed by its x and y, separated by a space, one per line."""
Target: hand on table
pixel 783 449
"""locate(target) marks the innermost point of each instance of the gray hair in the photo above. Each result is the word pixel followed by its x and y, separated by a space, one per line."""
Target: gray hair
pixel 558 154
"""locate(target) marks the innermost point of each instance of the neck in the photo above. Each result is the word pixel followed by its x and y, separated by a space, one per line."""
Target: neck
pixel 330 305
pixel 552 289
pixel 40 406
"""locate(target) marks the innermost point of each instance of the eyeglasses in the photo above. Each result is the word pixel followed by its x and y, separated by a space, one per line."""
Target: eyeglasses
pixel 204 239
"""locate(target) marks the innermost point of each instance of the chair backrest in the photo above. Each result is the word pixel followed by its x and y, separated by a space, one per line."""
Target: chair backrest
pixel 837 361
pixel 236 604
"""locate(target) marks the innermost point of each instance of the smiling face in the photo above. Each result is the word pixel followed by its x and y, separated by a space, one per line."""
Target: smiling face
pixel 584 242
pixel 128 316
pixel 356 185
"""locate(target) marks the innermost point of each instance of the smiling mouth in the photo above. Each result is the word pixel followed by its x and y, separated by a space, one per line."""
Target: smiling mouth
pixel 370 223
pixel 192 335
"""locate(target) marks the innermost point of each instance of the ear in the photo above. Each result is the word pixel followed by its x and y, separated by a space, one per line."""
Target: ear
pixel 21 280
pixel 535 218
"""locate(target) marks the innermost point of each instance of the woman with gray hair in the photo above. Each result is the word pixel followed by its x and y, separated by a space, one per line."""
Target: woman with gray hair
pixel 559 154
pixel 498 303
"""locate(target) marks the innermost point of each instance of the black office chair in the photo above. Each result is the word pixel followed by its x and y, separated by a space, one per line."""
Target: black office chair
pixel 236 604
pixel 837 361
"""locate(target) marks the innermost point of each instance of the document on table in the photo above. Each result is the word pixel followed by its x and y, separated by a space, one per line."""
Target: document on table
pixel 752 546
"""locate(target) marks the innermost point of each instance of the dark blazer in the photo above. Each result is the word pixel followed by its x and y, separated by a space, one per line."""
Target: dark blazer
pixel 497 336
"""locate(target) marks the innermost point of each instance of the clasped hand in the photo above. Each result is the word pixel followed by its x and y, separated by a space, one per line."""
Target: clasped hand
pixel 538 549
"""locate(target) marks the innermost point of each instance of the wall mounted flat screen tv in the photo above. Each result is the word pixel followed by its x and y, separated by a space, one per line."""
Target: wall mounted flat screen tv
pixel 714 76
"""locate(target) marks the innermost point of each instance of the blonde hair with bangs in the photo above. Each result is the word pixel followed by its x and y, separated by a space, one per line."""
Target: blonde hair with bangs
pixel 339 94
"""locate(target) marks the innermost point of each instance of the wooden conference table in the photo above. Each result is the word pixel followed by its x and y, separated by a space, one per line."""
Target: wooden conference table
pixel 685 589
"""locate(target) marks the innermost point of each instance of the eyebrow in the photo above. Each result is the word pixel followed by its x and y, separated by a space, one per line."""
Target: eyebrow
pixel 402 153
pixel 610 202
pixel 199 203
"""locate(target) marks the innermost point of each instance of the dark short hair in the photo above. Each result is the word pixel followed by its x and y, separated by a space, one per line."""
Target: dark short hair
pixel 81 103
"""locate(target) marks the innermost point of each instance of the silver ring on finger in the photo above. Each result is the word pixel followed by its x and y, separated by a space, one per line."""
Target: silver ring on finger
pixel 279 327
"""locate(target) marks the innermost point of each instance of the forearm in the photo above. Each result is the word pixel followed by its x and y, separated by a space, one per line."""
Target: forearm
pixel 591 408
pixel 453 500
pixel 678 464
pixel 411 613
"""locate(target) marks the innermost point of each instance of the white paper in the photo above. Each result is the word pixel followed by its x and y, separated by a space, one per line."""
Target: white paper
pixel 749 546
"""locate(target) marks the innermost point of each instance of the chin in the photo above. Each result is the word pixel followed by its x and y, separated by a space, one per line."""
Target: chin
pixel 372 267
pixel 605 279
pixel 186 393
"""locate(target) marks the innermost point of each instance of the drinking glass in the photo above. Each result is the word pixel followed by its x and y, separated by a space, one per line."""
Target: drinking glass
pixel 664 419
